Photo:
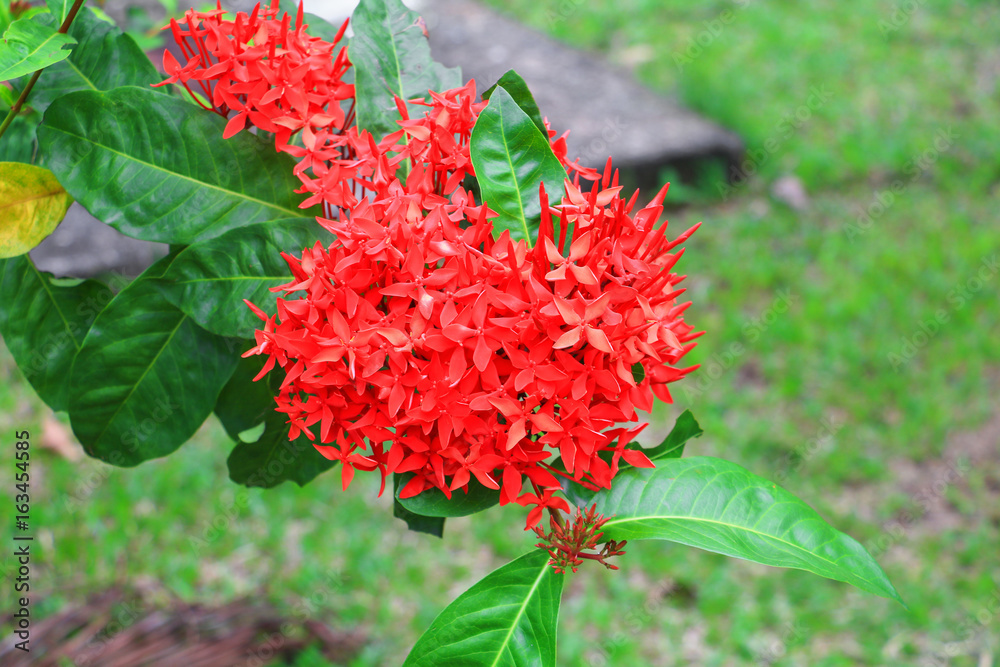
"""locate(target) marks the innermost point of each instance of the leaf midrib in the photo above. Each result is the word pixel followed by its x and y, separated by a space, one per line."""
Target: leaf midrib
pixel 47 195
pixel 625 520
pixel 142 377
pixel 154 167
pixel 520 612
pixel 513 173
pixel 48 39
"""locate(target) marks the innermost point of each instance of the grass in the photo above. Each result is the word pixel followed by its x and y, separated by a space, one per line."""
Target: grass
pixel 833 386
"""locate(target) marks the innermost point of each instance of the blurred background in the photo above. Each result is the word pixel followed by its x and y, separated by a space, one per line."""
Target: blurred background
pixel 847 277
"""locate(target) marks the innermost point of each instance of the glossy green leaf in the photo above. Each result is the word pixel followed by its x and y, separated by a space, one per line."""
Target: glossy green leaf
pixel 274 458
pixel 104 58
pixel 391 58
pixel 317 26
pixel 209 280
pixel 432 525
pixel 18 142
pixel 146 376
pixel 32 204
pixel 60 10
pixel 157 168
pixel 29 45
pixel 718 506
pixel 433 502
pixel 512 82
pixel 243 403
pixel 512 158
pixel 43 324
pixel 685 428
pixel 509 618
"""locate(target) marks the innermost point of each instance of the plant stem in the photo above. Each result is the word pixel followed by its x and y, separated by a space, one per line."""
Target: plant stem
pixel 16 109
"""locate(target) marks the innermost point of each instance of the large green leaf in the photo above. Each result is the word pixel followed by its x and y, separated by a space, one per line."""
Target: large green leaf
pixel 433 502
pixel 146 376
pixel 317 26
pixel 432 525
pixel 243 403
pixel 508 618
pixel 718 506
pixel 158 169
pixel 512 82
pixel 43 324
pixel 32 204
pixel 274 458
pixel 391 58
pixel 209 280
pixel 511 157
pixel 18 142
pixel 60 9
pixel 685 428
pixel 104 58
pixel 30 45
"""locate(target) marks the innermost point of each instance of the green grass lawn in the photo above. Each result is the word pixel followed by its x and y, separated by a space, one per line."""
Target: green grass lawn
pixel 857 361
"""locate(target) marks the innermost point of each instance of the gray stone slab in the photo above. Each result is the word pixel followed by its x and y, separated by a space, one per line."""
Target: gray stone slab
pixel 82 246
pixel 607 111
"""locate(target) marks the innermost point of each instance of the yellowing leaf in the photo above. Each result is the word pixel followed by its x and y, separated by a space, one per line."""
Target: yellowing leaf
pixel 32 203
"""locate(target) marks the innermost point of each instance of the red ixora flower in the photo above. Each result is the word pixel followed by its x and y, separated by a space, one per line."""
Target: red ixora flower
pixel 417 342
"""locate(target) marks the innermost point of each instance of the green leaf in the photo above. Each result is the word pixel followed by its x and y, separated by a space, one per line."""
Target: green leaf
pixel 29 46
pixel 18 142
pixel 209 280
pixel 685 428
pixel 243 403
pixel 60 9
pixel 274 458
pixel 512 82
pixel 317 26
pixel 104 58
pixel 511 158
pixel 44 324
pixel 146 376
pixel 432 525
pixel 509 617
pixel 433 502
pixel 32 204
pixel 157 168
pixel 391 58
pixel 718 506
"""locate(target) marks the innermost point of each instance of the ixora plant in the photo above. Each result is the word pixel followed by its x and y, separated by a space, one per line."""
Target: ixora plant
pixel 459 311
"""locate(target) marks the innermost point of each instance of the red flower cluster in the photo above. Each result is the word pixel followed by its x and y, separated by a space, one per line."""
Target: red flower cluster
pixel 276 76
pixel 417 343
pixel 423 345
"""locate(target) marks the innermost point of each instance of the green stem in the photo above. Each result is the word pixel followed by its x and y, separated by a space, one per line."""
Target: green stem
pixel 16 109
